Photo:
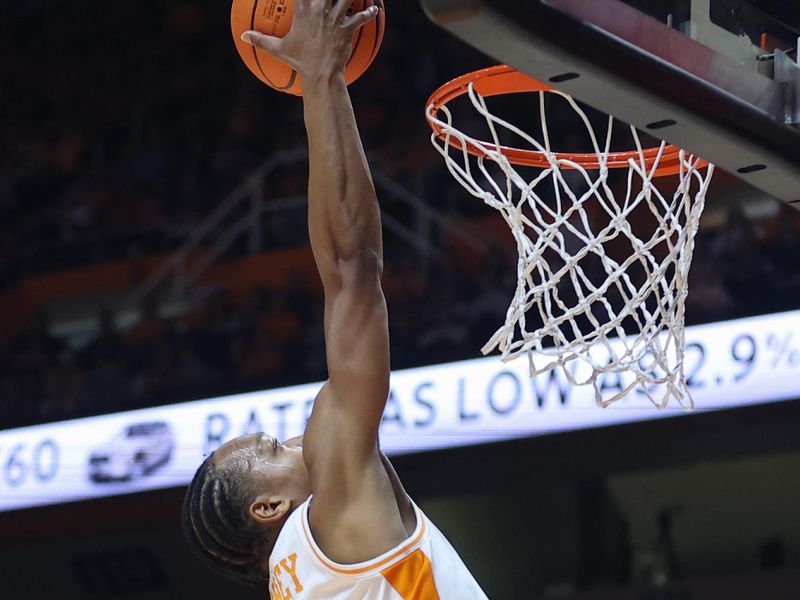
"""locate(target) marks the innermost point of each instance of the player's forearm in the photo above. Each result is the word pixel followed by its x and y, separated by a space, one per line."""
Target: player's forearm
pixel 344 216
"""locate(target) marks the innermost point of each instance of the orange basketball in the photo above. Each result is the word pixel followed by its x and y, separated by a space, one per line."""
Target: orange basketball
pixel 274 17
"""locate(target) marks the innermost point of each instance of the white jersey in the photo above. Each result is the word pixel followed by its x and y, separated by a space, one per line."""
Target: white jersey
pixel 424 567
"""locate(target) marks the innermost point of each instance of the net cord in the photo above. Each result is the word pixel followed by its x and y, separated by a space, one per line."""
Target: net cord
pixel 654 355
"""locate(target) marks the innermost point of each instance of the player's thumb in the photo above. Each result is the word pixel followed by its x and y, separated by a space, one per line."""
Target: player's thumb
pixel 265 42
pixel 362 18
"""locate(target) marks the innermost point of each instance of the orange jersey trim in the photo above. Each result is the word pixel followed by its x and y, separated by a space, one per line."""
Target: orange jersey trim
pixel 358 570
pixel 412 577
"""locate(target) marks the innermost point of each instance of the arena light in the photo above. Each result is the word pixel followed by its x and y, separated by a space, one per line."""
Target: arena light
pixel 729 365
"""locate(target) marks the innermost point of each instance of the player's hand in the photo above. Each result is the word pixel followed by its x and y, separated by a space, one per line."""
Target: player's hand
pixel 320 40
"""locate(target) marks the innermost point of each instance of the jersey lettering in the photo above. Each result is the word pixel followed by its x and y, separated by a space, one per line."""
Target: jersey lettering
pixel 291 568
pixel 280 586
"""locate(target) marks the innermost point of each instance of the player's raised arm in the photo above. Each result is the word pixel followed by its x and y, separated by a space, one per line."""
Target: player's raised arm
pixel 355 514
pixel 345 230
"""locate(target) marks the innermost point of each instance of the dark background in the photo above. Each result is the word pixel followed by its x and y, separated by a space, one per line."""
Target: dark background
pixel 124 126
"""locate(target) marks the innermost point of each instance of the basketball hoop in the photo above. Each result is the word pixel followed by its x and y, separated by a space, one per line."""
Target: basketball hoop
pixel 566 228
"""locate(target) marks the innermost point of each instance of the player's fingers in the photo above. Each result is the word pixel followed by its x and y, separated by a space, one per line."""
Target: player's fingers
pixel 265 42
pixel 340 8
pixel 363 17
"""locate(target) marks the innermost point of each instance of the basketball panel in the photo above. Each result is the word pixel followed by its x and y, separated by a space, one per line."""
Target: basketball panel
pixel 274 17
pixel 366 41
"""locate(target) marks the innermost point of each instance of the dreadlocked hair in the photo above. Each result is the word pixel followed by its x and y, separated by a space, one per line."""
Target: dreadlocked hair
pixel 219 530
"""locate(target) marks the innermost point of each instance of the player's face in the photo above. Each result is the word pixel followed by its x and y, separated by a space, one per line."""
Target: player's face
pixel 270 463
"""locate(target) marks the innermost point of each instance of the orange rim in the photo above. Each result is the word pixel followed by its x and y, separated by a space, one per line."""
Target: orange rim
pixel 502 79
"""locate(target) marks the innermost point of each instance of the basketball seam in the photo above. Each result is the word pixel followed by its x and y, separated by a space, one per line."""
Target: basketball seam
pixel 355 46
pixel 378 30
pixel 269 81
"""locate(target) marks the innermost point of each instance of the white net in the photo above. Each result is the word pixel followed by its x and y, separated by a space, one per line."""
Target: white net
pixel 604 254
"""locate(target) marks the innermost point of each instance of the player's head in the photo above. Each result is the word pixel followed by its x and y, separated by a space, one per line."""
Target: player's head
pixel 238 501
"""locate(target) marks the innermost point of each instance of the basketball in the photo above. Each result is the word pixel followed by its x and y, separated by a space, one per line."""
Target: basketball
pixel 274 17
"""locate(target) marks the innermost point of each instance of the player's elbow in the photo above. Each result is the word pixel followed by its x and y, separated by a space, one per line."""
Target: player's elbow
pixel 364 267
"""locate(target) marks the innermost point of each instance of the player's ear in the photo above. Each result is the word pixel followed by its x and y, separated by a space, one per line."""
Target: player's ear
pixel 268 508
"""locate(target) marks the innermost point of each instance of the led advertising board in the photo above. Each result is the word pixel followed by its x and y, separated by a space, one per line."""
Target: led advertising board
pixel 728 365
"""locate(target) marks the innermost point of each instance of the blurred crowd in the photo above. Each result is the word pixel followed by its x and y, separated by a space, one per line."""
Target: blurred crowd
pixel 272 337
pixel 120 140
pixel 122 128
